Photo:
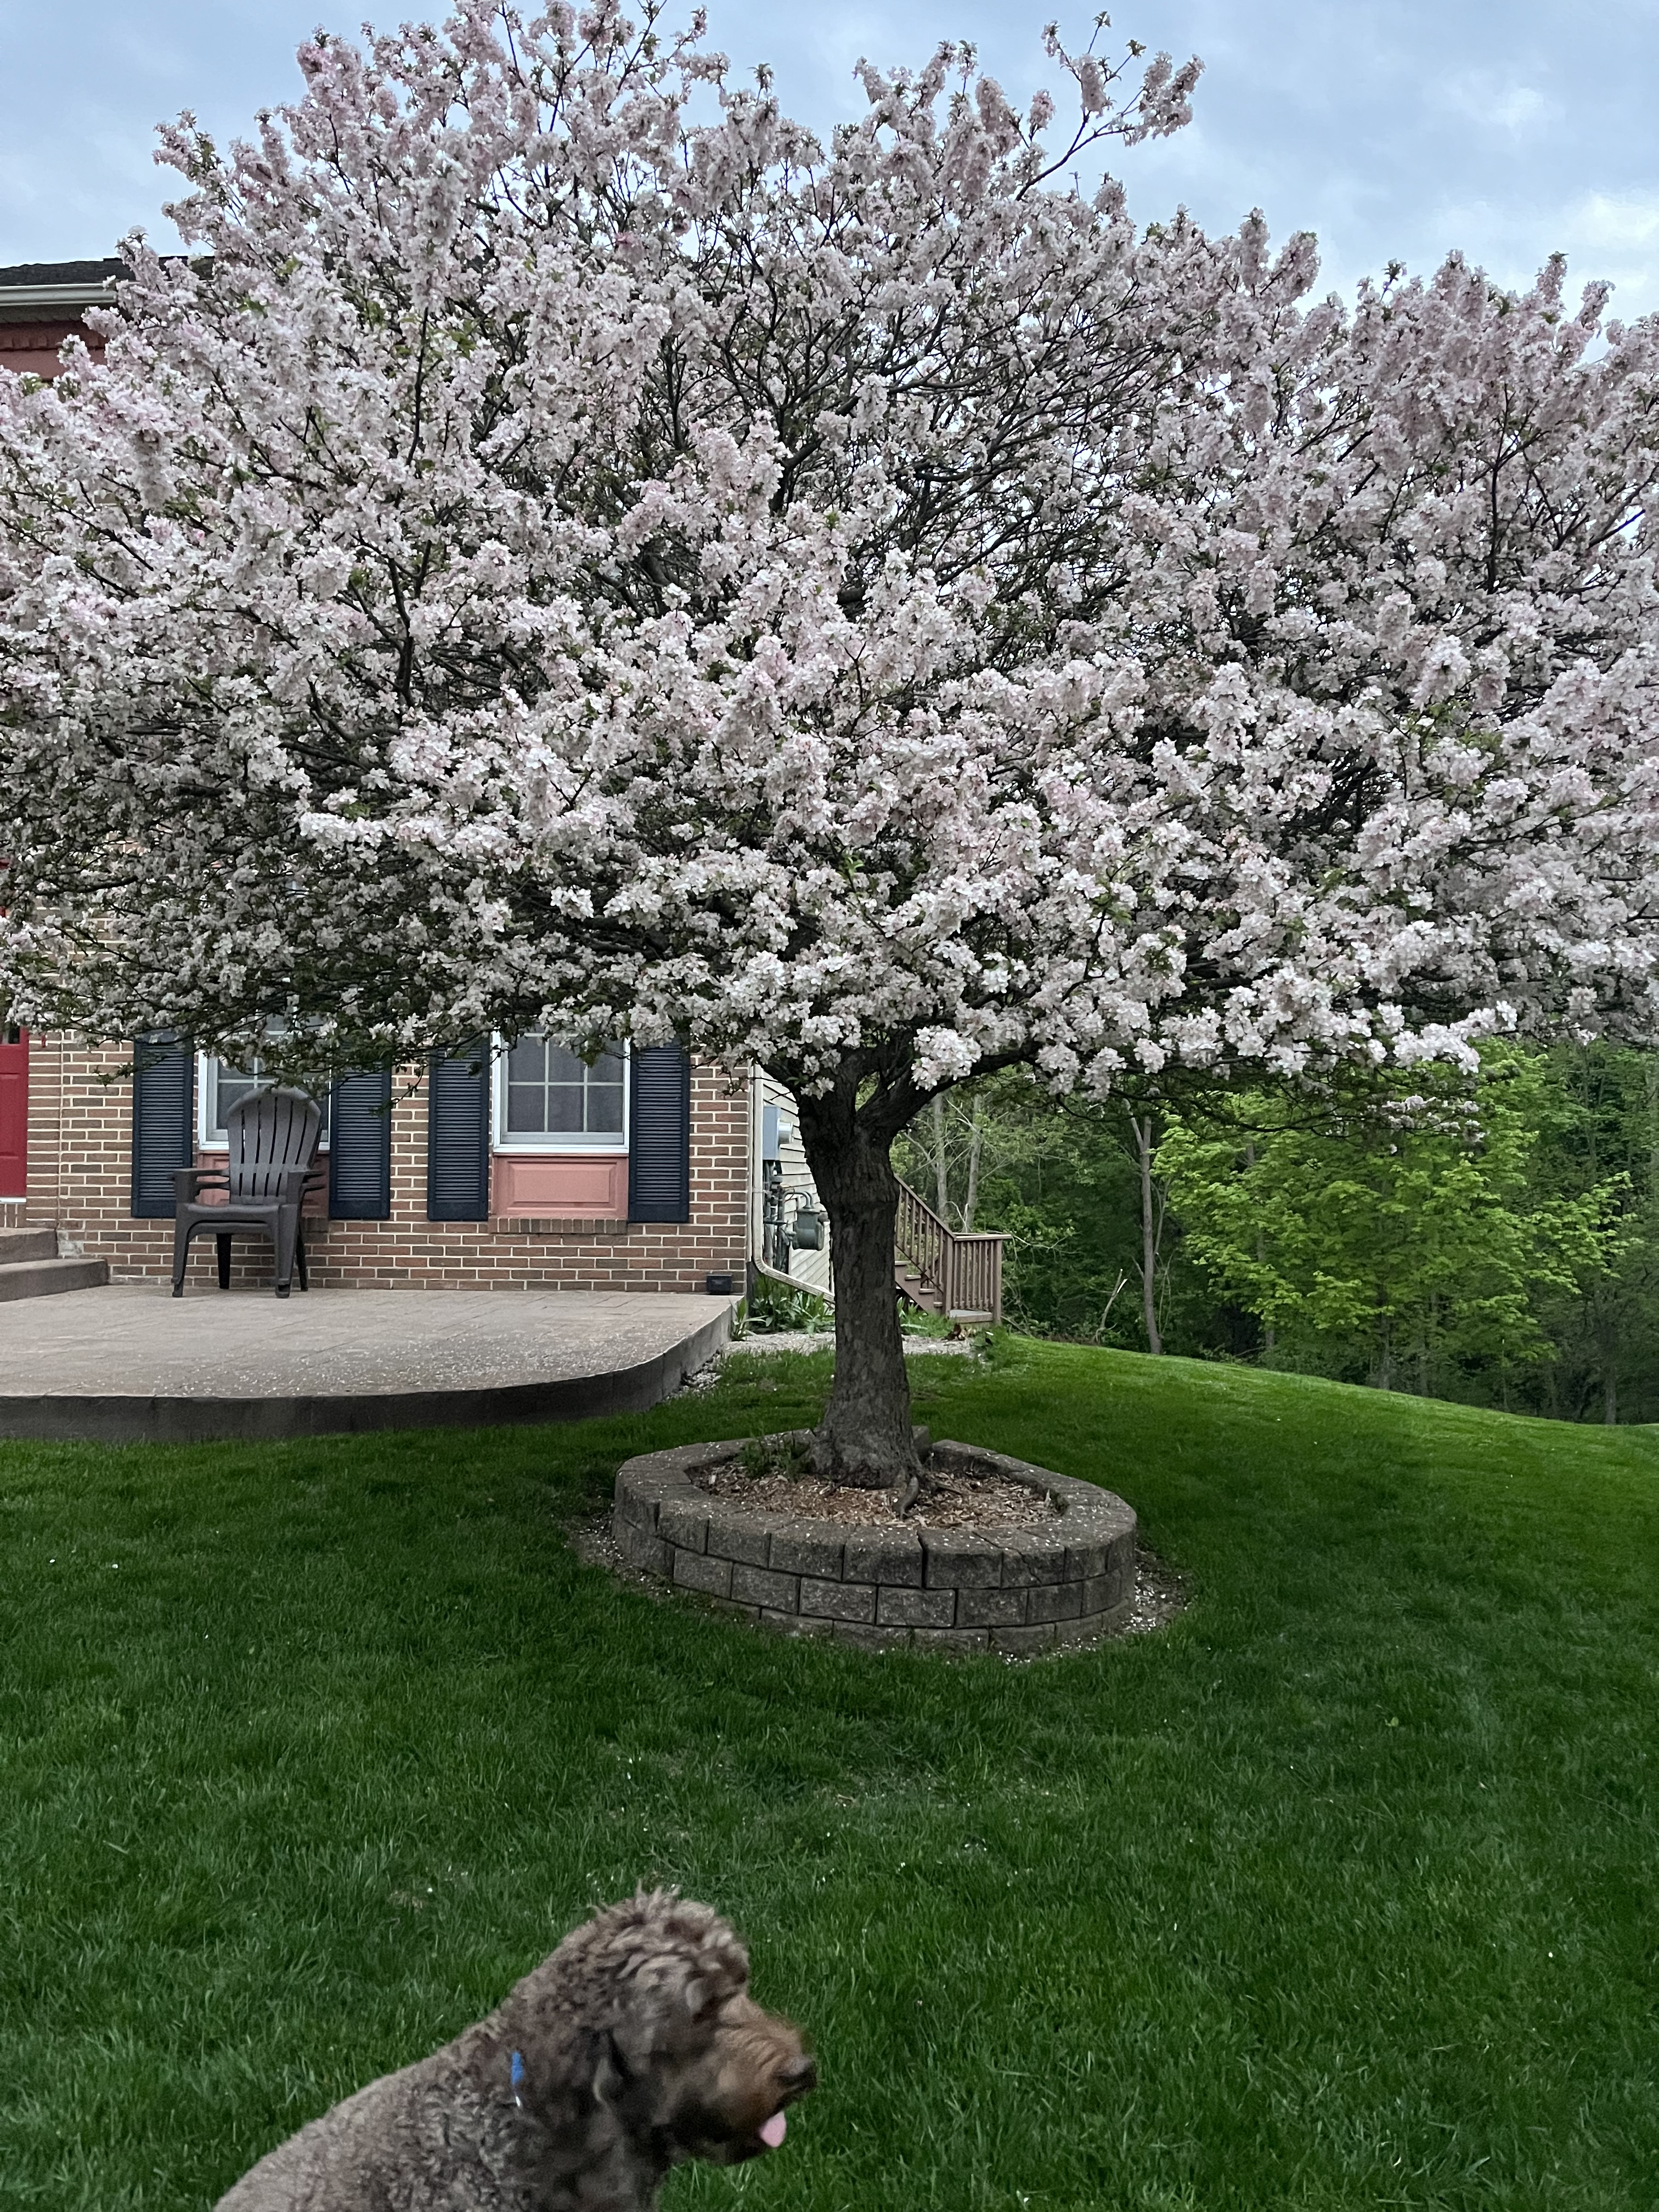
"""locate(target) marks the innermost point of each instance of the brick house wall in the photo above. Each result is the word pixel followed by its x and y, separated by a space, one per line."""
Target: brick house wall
pixel 41 304
pixel 31 348
pixel 80 1180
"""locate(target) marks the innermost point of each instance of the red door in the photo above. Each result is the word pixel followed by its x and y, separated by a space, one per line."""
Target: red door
pixel 13 1111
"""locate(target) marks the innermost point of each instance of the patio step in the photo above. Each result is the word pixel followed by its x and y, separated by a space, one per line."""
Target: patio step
pixel 39 1278
pixel 33 1242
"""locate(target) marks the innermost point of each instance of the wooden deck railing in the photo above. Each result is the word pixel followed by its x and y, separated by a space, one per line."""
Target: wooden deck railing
pixel 958 1274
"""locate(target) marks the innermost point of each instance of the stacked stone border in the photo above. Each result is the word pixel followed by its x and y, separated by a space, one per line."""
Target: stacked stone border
pixel 1012 1590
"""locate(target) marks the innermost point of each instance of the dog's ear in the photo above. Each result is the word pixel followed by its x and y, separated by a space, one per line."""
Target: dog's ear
pixel 705 1992
pixel 714 1969
pixel 611 2070
pixel 681 1990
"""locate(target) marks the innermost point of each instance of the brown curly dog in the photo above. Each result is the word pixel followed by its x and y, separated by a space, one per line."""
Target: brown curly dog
pixel 635 2045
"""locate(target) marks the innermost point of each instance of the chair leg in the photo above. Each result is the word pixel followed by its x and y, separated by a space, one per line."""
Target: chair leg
pixel 285 1237
pixel 181 1256
pixel 223 1243
pixel 299 1262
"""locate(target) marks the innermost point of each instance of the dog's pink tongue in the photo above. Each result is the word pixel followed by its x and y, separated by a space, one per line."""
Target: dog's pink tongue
pixel 772 2133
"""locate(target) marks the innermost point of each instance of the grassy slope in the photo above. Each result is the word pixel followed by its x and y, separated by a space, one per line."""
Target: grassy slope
pixel 1338 1893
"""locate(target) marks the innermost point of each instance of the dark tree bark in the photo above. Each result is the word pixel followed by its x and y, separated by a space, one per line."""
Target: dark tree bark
pixel 975 1152
pixel 941 1164
pixel 865 1438
pixel 1145 1148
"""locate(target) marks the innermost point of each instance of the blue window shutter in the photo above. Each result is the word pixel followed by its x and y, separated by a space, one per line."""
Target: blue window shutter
pixel 458 1134
pixel 360 1147
pixel 163 1108
pixel 660 1134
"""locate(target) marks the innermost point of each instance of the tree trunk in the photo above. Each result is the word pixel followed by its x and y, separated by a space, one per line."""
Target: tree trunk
pixel 1606 1344
pixel 1143 1130
pixel 1267 1338
pixel 941 1164
pixel 864 1436
pixel 976 1144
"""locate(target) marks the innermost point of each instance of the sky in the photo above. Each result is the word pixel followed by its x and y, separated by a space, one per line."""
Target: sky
pixel 1398 130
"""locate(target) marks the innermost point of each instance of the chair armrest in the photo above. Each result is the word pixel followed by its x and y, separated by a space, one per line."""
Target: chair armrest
pixel 293 1182
pixel 187 1181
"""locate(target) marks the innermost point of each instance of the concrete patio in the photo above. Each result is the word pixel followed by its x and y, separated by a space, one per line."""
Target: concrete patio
pixel 130 1363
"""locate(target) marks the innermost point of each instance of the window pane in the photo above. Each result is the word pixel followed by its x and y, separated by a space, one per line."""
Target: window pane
pixel 605 1107
pixel 233 1087
pixel 564 1106
pixel 229 1086
pixel 526 1109
pixel 527 1061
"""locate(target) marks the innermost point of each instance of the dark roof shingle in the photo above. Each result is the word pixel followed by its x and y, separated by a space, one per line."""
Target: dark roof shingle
pixel 64 272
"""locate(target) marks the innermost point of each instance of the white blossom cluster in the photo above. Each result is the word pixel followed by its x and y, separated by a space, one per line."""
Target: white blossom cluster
pixel 567 549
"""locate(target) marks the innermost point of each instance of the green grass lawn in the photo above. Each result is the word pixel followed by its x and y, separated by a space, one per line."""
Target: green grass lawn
pixel 1339 1893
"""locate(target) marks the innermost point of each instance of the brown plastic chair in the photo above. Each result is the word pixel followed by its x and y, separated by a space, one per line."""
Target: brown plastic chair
pixel 271 1165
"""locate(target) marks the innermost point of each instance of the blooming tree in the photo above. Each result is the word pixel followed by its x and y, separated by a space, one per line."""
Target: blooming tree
pixel 571 551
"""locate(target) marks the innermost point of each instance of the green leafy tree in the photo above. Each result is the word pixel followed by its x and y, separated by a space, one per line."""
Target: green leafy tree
pixel 1411 1237
pixel 1606 1130
pixel 1094 1252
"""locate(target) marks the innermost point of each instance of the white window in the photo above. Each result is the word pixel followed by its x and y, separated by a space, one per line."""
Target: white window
pixel 218 1087
pixel 547 1099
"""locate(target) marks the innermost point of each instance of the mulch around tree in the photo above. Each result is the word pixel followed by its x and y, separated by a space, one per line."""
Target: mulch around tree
pixel 948 1498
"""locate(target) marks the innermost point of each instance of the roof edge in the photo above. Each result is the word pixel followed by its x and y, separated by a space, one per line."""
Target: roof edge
pixel 51 289
pixel 46 298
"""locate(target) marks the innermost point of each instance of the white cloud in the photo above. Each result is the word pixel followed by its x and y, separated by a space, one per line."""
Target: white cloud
pixel 1615 235
pixel 1611 237
pixel 1515 110
pixel 1616 222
